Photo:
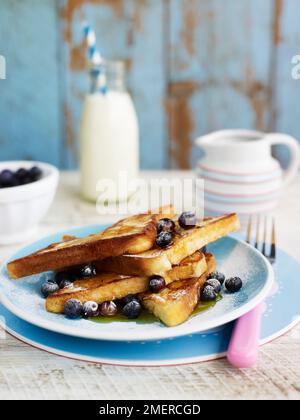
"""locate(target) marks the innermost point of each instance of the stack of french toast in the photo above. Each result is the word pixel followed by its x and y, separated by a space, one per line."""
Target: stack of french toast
pixel 152 257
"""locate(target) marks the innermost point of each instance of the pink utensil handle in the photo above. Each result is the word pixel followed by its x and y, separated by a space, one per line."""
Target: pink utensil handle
pixel 244 343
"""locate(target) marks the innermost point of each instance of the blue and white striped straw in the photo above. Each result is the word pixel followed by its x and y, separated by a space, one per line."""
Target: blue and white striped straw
pixel 95 58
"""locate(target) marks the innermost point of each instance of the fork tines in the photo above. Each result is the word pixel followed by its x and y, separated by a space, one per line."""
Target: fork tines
pixel 272 255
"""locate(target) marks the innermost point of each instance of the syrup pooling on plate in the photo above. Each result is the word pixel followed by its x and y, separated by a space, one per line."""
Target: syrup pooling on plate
pixel 148 318
pixel 144 318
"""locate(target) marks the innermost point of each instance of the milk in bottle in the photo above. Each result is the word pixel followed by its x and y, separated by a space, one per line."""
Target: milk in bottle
pixel 109 137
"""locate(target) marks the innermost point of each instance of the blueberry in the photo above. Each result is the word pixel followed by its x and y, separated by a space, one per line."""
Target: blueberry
pixel 165 225
pixel 35 173
pixel 132 309
pixel 90 309
pixel 129 298
pixel 65 283
pixel 187 220
pixel 215 284
pixel 49 288
pixel 208 294
pixel 21 174
pixel 8 179
pixel 63 276
pixel 234 284
pixel 88 270
pixel 108 308
pixel 73 308
pixel 164 239
pixel 26 180
pixel 5 176
pixel 156 284
pixel 14 182
pixel 217 275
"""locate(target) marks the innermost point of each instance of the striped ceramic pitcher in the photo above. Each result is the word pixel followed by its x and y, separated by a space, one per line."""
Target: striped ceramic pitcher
pixel 239 172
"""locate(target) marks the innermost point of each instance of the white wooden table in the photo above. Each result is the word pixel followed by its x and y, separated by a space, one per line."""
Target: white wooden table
pixel 27 373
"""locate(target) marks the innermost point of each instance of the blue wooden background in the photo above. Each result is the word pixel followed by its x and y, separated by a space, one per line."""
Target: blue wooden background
pixel 194 66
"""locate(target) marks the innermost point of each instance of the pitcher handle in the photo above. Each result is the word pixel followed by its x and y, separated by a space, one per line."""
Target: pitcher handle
pixel 293 145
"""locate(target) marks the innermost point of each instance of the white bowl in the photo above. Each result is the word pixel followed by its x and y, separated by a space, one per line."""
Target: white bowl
pixel 23 207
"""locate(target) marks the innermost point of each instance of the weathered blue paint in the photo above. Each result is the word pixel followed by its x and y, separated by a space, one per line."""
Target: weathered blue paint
pixel 194 66
pixel 219 54
pixel 286 101
pixel 148 81
pixel 29 97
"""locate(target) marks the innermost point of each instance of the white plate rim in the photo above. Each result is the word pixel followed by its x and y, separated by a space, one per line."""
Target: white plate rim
pixel 164 333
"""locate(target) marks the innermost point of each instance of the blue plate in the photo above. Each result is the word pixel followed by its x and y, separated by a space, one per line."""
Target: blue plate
pixel 282 311
pixel 234 257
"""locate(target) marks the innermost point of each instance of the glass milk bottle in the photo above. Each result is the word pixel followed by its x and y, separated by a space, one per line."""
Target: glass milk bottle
pixel 109 138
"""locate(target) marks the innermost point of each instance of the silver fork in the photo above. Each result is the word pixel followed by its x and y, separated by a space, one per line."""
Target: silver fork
pixel 271 256
pixel 244 343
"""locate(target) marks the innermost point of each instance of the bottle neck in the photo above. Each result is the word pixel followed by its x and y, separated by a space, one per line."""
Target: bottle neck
pixel 110 76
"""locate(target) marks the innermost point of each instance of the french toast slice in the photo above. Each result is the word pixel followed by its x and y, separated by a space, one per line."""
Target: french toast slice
pixel 186 242
pixel 177 301
pixel 108 286
pixel 132 235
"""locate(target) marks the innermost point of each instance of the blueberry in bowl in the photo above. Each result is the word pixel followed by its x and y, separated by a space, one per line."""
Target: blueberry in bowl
pixel 35 173
pixel 21 176
pixel 8 179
